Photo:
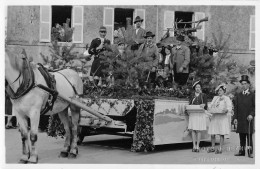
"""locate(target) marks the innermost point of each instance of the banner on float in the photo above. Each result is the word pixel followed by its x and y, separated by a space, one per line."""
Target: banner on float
pixel 171 123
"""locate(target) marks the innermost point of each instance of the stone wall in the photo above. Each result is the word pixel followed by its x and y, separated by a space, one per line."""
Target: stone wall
pixel 23 26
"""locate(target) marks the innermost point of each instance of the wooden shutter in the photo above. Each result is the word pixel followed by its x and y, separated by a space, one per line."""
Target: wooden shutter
pixel 141 13
pixel 252 33
pixel 200 33
pixel 77 24
pixel 45 23
pixel 168 22
pixel 108 22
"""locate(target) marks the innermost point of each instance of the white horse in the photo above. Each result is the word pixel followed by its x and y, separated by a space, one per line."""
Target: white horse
pixel 29 106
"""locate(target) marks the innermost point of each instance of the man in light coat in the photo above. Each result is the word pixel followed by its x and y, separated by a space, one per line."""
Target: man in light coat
pixel 138 35
pixel 181 60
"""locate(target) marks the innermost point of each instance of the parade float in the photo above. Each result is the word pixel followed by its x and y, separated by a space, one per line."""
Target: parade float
pixel 130 107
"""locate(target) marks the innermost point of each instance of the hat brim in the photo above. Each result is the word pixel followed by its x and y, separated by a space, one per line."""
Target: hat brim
pixel 139 20
pixel 195 84
pixel 219 86
pixel 149 36
pixel 245 81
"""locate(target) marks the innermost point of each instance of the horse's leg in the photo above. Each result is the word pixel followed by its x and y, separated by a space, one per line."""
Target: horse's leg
pixel 75 112
pixel 64 117
pixel 35 119
pixel 23 127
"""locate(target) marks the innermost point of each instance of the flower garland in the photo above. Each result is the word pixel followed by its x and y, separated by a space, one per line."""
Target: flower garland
pixel 143 133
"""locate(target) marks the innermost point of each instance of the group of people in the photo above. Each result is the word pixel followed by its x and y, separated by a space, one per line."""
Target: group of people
pixel 172 60
pixel 218 112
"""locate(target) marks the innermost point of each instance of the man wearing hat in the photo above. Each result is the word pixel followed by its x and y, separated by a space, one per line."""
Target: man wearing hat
pixel 149 49
pixel 244 112
pixel 97 47
pixel 138 33
pixel 181 60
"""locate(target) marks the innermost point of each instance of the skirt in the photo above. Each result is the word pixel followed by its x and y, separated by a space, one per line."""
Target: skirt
pixel 197 121
pixel 219 124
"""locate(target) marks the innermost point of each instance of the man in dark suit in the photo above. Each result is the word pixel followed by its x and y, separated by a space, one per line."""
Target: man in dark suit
pixel 97 47
pixel 244 107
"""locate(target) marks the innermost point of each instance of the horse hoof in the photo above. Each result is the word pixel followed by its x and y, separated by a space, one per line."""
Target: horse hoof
pixel 64 154
pixel 73 153
pixel 33 159
pixel 72 156
pixel 24 159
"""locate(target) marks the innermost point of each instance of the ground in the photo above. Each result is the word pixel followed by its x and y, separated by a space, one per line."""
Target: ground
pixel 110 149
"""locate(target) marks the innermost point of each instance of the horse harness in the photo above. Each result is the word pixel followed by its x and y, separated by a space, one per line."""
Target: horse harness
pixel 28 83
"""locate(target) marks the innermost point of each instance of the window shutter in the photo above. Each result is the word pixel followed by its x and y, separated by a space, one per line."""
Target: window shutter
pixel 77 24
pixel 169 22
pixel 141 13
pixel 252 33
pixel 45 23
pixel 201 32
pixel 108 22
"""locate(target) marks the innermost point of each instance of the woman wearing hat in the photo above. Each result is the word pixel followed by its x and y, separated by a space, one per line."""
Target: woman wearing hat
pixel 221 105
pixel 165 61
pixel 150 50
pixel 197 121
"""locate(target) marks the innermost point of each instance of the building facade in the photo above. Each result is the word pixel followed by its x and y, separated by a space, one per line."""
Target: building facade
pixel 30 27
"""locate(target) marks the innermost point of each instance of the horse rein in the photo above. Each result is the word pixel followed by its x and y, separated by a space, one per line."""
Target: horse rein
pixel 20 73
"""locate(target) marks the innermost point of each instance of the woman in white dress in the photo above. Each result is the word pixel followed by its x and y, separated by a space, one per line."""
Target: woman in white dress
pixel 221 105
pixel 197 121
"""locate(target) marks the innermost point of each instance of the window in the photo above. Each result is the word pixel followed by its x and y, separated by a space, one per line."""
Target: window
pixel 252 33
pixel 115 18
pixel 184 17
pixel 62 23
pixel 170 17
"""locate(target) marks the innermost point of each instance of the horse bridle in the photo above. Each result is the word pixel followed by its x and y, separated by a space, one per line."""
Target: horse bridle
pixel 17 78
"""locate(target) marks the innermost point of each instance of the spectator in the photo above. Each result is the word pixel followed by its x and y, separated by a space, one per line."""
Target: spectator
pixel 244 109
pixel 197 121
pixel 219 123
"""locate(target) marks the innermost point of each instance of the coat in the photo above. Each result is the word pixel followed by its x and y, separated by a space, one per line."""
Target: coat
pixel 244 105
pixel 181 58
pixel 202 100
pixel 151 50
pixel 97 67
pixel 139 36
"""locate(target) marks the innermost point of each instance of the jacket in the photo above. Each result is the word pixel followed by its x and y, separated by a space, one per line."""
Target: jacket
pixel 244 105
pixel 139 36
pixel 181 58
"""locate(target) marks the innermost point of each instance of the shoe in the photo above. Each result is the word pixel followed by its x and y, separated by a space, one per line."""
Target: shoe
pixel 193 150
pixel 197 150
pixel 211 150
pixel 250 156
pixel 218 151
pixel 250 153
pixel 240 153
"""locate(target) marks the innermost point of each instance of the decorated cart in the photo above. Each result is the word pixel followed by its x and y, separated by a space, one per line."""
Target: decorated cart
pixel 149 122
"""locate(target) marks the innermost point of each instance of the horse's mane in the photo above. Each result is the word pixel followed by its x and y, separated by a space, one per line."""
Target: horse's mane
pixel 16 60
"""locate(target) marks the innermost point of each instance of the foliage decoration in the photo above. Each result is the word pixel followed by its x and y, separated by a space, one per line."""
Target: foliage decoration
pixel 143 133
